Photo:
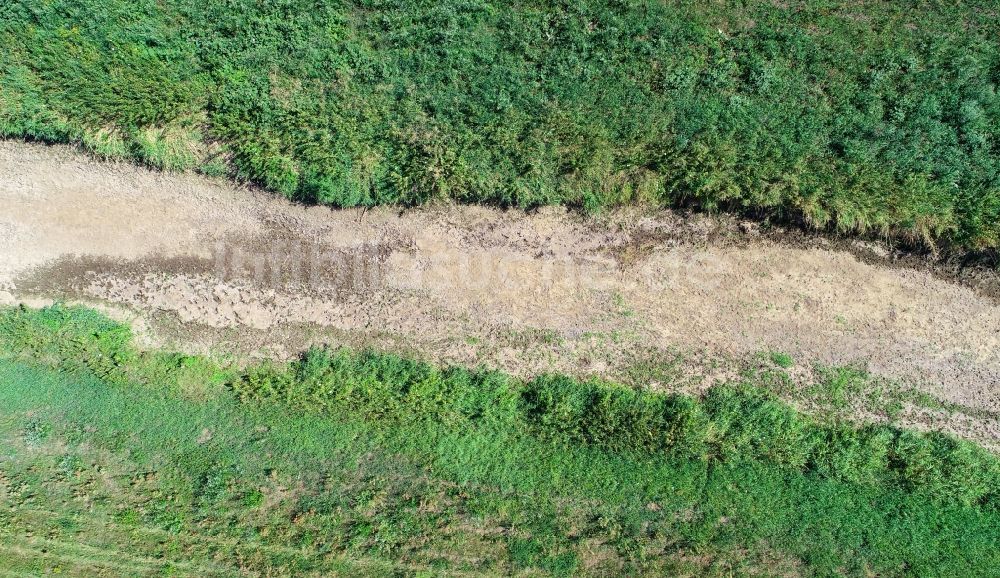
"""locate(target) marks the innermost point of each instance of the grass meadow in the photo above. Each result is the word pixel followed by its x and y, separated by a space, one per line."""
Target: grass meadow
pixel 359 463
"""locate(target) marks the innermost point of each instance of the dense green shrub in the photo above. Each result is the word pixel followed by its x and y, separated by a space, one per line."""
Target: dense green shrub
pixel 732 423
pixel 876 116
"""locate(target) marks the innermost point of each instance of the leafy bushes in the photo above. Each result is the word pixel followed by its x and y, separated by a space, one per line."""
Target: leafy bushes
pixel 879 116
pixel 731 424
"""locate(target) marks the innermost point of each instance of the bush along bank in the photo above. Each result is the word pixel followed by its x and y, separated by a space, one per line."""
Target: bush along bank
pixel 730 424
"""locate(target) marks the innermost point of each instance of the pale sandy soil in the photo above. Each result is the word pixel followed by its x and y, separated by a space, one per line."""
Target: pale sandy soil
pixel 202 265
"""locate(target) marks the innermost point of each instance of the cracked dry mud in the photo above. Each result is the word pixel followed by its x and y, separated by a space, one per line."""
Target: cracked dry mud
pixel 203 265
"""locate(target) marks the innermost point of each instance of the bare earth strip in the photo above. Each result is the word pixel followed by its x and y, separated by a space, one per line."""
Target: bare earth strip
pixel 201 264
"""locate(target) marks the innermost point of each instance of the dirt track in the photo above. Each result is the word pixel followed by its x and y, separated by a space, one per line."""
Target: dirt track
pixel 202 264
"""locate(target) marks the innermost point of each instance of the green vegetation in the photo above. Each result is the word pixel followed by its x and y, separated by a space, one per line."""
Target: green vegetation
pixel 361 463
pixel 864 116
pixel 782 360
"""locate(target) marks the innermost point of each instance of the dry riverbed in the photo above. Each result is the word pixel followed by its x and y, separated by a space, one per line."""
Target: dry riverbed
pixel 202 265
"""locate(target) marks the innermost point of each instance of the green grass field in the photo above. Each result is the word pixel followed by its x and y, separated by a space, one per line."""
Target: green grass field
pixel 864 116
pixel 124 462
pixel 869 117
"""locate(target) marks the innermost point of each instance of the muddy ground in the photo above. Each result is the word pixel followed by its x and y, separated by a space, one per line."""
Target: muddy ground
pixel 202 265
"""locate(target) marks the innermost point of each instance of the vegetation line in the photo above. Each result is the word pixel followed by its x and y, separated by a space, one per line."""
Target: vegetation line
pixel 879 116
pixel 733 423
pixel 358 462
